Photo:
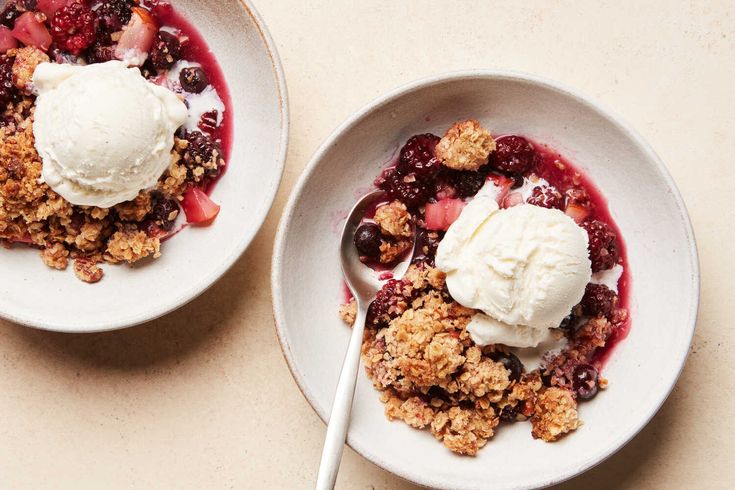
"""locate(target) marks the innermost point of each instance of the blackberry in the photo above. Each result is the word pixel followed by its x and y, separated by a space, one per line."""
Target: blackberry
pixel 417 156
pixel 202 151
pixel 468 184
pixel 513 155
pixel 166 50
pixel 409 189
pixel 8 92
pixel 388 304
pixel 603 245
pixel 599 300
pixel 113 15
pixel 164 212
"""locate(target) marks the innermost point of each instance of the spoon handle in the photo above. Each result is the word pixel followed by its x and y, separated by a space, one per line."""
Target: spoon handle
pixel 339 420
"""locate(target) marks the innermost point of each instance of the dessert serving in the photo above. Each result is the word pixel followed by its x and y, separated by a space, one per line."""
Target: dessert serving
pixel 516 292
pixel 115 117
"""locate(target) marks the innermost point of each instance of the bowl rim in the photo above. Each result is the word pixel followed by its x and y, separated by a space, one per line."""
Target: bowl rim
pixel 433 80
pixel 246 238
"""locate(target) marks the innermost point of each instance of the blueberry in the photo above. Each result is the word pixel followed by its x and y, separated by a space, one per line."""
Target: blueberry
pixel 517 181
pixel 193 80
pixel 510 413
pixel 368 240
pixel 584 381
pixel 511 362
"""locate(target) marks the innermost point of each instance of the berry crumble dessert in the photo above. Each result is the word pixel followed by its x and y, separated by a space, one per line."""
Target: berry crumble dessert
pixel 114 117
pixel 516 292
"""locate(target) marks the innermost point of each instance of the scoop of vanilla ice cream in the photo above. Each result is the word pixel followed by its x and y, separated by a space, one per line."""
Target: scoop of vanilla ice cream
pixel 524 267
pixel 103 131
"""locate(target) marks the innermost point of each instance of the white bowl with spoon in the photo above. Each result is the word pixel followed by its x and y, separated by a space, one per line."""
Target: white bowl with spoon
pixel 307 280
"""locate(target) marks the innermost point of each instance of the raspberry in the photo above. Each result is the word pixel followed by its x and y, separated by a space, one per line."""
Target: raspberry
pixel 8 92
pixel 112 15
pixel 599 300
pixel 166 50
pixel 513 155
pixel 409 189
pixel 417 156
pixel 546 197
pixel 603 245
pixel 72 28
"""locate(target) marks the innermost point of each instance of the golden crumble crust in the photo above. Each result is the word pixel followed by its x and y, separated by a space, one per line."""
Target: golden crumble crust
pixel 391 251
pixel 55 256
pixel 464 431
pixel 135 210
pixel 32 213
pixel 432 375
pixel 348 312
pixel 555 414
pixel 394 219
pixel 131 245
pixel 465 146
pixel 483 377
pixel 25 63
pixel 414 411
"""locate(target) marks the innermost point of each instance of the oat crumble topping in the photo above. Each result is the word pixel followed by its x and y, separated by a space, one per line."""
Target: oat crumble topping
pixel 32 213
pixel 465 146
pixel 432 376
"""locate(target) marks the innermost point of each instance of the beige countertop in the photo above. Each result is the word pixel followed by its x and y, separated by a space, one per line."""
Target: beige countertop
pixel 203 398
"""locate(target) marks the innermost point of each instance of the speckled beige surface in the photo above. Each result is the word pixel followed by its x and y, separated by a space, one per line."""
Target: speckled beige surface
pixel 203 398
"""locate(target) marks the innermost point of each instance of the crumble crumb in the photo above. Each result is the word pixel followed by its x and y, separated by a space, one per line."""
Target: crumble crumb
pixel 55 256
pixel 394 219
pixel 131 245
pixel 414 411
pixel 25 63
pixel 483 377
pixel 464 431
pixel 465 146
pixel 348 312
pixel 555 414
pixel 391 251
pixel 135 210
pixel 173 183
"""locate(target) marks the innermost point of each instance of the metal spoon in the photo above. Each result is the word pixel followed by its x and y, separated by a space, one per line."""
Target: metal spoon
pixel 364 285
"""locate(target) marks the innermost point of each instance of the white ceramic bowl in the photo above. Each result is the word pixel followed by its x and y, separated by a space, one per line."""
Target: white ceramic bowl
pixel 644 201
pixel 34 295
